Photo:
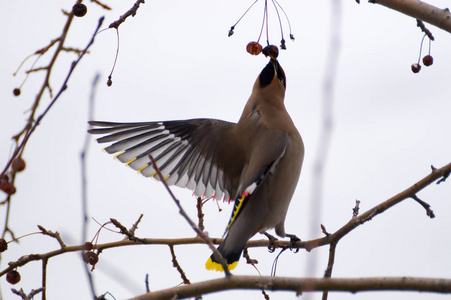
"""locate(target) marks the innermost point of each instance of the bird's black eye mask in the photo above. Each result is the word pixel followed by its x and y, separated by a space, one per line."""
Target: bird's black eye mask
pixel 267 74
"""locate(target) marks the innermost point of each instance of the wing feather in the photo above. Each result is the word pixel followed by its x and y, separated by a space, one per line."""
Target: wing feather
pixel 188 152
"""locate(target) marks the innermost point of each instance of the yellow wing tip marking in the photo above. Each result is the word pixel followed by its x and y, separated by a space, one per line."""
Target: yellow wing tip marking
pixel 130 161
pixel 142 168
pixel 214 266
pixel 116 154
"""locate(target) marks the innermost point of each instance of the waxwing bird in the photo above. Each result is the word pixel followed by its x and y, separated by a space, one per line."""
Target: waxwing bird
pixel 256 162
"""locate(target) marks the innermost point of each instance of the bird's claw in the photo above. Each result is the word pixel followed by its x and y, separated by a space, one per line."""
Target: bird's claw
pixel 293 240
pixel 271 246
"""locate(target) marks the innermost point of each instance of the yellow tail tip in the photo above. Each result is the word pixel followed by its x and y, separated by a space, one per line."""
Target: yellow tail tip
pixel 214 266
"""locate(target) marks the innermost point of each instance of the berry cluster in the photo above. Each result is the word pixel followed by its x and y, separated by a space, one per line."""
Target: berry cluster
pixel 427 60
pixel 254 48
pixel 17 165
pixel 12 276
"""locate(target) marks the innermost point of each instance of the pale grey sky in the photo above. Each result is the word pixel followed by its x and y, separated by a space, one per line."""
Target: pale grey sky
pixel 176 62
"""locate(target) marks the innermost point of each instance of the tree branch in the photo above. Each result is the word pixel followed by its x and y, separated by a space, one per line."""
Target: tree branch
pixel 421 11
pixel 303 285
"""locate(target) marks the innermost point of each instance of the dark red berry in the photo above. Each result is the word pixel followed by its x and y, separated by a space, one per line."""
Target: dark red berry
pixel 87 246
pixel 16 92
pixel 90 258
pixel 8 188
pixel 18 164
pixel 79 10
pixel 13 277
pixel 4 178
pixel 254 48
pixel 416 68
pixel 428 60
pixel 3 245
pixel 271 51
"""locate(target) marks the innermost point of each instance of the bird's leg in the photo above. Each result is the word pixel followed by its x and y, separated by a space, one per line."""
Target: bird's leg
pixel 272 239
pixel 293 240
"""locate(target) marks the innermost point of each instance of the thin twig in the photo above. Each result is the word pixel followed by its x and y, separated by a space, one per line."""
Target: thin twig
pixel 135 226
pixel 125 231
pixel 355 210
pixel 425 30
pixel 176 265
pixel 425 205
pixel 54 235
pixel 44 277
pixel 200 214
pixel 102 5
pixel 146 281
pixel 322 152
pixel 330 266
pixel 30 295
pixel 131 12
pixel 84 182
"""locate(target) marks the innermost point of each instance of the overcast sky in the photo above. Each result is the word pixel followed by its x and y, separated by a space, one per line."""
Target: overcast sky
pixel 176 62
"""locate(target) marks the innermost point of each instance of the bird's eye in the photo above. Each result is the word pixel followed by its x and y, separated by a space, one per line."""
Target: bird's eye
pixel 281 75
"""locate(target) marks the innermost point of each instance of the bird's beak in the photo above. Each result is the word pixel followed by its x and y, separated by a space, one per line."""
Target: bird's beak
pixel 272 69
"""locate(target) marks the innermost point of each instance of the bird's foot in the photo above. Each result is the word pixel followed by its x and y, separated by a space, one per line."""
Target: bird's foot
pixel 293 240
pixel 272 239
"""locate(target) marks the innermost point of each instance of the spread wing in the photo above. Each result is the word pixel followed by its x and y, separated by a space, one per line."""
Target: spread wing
pixel 190 153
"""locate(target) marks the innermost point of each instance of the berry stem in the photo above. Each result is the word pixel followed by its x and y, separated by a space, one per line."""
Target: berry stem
pixel 278 16
pixel 233 27
pixel 263 24
pixel 286 16
pixel 421 47
pixel 267 26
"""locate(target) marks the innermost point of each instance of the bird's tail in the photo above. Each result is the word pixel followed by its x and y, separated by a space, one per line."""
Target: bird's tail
pixel 232 258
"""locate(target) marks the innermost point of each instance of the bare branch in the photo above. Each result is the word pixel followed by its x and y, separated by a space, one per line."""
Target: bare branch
pixel 368 215
pixel 421 11
pixel 303 285
pixel 25 296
